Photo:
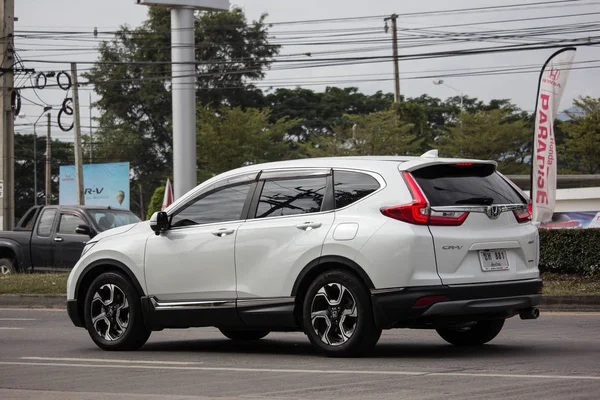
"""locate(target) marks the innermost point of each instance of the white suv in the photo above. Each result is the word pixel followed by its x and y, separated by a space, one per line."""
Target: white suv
pixel 339 248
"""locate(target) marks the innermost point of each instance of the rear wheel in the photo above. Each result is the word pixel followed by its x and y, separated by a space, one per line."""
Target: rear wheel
pixel 113 313
pixel 478 334
pixel 6 266
pixel 243 335
pixel 338 316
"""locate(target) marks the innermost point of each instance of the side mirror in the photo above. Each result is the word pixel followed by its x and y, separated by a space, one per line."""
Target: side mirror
pixel 85 230
pixel 159 222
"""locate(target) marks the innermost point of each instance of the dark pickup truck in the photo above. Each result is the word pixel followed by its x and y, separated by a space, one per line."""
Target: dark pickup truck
pixel 52 237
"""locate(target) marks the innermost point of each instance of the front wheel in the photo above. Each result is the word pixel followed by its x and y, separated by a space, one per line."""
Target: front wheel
pixel 113 313
pixel 338 316
pixel 476 335
pixel 243 335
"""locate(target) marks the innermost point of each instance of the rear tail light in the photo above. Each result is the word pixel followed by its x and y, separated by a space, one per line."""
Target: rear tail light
pixel 418 212
pixel 523 215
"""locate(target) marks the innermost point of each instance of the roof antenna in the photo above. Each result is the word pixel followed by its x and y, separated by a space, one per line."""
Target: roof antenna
pixel 430 154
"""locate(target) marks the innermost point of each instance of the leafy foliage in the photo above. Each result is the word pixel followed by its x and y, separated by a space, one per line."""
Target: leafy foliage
pixel 62 154
pixel 489 135
pixel 156 201
pixel 583 136
pixel 235 137
pixel 569 251
pixel 132 78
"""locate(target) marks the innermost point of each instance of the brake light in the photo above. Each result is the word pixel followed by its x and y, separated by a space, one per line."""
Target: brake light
pixel 524 215
pixel 464 164
pixel 418 212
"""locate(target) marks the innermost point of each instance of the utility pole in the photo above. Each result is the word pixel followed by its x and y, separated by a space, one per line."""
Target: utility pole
pixel 48 162
pixel 394 18
pixel 7 25
pixel 91 141
pixel 77 144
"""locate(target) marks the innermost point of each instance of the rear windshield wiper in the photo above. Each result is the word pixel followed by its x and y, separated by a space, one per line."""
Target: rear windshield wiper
pixel 476 200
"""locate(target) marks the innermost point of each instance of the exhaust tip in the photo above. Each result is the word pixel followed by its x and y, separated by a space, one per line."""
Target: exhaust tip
pixel 530 313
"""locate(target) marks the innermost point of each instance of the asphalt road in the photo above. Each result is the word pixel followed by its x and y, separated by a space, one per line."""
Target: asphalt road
pixel 42 356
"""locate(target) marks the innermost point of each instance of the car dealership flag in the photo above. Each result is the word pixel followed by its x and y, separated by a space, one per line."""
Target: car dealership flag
pixel 553 79
pixel 168 198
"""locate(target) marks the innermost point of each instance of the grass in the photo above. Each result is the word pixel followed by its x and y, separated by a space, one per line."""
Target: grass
pixel 570 284
pixel 56 283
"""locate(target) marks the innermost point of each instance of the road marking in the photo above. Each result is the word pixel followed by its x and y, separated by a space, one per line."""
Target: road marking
pixel 9 328
pixel 107 360
pixel 306 371
pixel 18 319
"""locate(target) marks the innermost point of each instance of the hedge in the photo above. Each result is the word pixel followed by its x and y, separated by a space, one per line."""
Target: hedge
pixel 574 252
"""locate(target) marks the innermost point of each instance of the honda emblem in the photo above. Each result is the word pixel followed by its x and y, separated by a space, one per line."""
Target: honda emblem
pixel 493 212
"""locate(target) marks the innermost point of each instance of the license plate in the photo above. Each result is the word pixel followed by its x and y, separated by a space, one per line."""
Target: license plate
pixel 493 260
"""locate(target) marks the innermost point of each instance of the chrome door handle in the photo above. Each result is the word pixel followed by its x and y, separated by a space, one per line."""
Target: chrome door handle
pixel 58 239
pixel 309 226
pixel 223 232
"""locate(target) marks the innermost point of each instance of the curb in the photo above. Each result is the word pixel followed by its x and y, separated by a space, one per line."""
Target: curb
pixel 574 302
pixel 570 302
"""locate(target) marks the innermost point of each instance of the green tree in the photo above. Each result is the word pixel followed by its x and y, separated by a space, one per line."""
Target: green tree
pixel 232 138
pixel 380 133
pixel 62 154
pixel 582 144
pixel 489 135
pixel 156 201
pixel 132 77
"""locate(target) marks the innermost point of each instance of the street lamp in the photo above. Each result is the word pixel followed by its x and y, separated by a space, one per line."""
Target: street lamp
pixel 441 82
pixel 35 192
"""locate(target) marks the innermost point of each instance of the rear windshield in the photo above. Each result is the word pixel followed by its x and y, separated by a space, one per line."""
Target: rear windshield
pixel 450 185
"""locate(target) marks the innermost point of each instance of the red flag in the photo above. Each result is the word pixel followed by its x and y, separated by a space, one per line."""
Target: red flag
pixel 168 199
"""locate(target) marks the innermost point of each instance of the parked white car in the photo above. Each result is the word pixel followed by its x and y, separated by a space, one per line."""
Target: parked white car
pixel 339 248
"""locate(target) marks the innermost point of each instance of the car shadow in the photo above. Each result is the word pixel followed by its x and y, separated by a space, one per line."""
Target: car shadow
pixel 382 350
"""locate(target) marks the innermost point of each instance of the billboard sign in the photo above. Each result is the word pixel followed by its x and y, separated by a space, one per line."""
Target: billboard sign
pixel 104 185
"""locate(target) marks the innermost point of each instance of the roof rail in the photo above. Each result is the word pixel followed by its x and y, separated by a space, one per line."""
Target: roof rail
pixel 430 154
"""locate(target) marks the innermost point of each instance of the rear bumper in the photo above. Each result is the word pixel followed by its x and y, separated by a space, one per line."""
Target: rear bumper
pixel 453 304
pixel 73 311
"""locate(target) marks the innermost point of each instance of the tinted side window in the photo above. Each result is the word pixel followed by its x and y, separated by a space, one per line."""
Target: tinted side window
pixel 352 186
pixel 449 185
pixel 68 224
pixel 291 196
pixel 220 206
pixel 46 220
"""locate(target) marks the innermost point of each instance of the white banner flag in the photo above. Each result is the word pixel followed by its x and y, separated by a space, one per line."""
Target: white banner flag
pixel 543 175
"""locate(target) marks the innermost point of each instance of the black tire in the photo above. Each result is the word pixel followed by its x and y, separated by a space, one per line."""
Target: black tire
pixel 362 332
pixel 243 335
pixel 480 333
pixel 134 334
pixel 7 267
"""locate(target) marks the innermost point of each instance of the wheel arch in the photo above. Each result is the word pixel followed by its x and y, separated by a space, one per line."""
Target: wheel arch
pixel 318 266
pixel 11 250
pixel 94 270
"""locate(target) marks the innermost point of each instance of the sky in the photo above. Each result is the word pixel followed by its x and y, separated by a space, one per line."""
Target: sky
pixel 416 76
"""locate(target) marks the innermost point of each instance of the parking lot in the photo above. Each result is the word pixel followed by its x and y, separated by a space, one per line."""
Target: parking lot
pixel 42 356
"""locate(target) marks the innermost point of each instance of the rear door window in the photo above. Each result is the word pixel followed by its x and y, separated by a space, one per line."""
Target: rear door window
pixel 291 196
pixel 352 186
pixel 477 184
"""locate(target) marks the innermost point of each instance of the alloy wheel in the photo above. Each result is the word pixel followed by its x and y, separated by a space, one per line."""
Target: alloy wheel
pixel 4 270
pixel 334 314
pixel 110 312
